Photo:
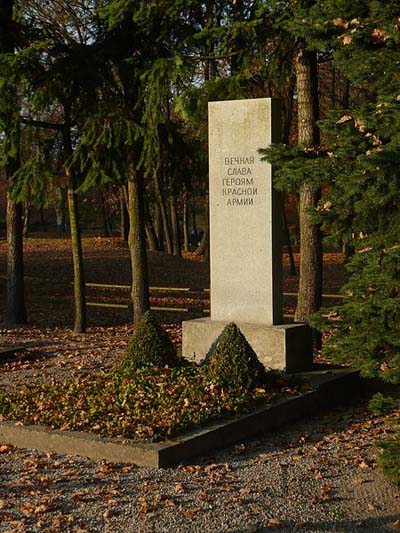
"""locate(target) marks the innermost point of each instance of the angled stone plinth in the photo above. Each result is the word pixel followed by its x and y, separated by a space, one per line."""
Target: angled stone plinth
pixel 282 347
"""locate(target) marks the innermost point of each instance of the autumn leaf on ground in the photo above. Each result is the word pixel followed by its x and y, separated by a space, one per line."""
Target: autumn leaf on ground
pixel 273 523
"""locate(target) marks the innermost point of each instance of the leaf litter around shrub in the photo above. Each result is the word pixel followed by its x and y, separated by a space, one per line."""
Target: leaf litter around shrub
pixel 148 405
pixel 151 394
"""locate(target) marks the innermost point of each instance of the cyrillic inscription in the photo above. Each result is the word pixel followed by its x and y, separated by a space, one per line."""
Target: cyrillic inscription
pixel 234 185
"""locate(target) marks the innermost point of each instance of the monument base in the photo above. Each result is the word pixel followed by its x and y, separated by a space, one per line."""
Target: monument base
pixel 284 347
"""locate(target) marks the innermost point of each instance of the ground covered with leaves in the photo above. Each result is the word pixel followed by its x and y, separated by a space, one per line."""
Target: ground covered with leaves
pixel 49 275
pixel 147 405
pixel 316 476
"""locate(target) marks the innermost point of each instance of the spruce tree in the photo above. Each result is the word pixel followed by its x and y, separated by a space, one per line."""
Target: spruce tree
pixel 362 206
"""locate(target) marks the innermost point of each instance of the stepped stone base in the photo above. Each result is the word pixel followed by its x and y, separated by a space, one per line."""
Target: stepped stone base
pixel 283 347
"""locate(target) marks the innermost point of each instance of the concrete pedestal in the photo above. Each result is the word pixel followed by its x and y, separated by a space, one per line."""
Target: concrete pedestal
pixel 282 347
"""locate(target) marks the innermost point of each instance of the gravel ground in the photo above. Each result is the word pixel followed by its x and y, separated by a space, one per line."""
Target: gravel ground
pixel 316 476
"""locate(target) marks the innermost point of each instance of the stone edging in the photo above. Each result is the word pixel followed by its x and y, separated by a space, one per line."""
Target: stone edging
pixel 331 387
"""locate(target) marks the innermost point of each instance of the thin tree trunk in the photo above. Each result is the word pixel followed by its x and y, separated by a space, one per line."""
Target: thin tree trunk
pixel 27 218
pixel 346 94
pixel 151 236
pixel 42 219
pixel 310 283
pixel 176 245
pixel 204 247
pixel 164 216
pixel 77 255
pixel 158 227
pixel 15 309
pixel 104 216
pixel 137 242
pixel 194 220
pixel 60 210
pixel 185 220
pixel 124 217
pixel 76 241
pixel 288 109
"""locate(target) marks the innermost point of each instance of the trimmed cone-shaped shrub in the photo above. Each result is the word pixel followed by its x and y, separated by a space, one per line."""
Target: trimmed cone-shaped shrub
pixel 234 362
pixel 150 345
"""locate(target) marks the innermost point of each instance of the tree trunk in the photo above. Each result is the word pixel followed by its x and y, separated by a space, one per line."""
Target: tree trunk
pixel 60 210
pixel 27 218
pixel 124 217
pixel 288 109
pixel 310 283
pixel 185 223
pixel 204 247
pixel 43 222
pixel 151 236
pixel 176 245
pixel 76 241
pixel 15 309
pixel 137 242
pixel 158 227
pixel 194 219
pixel 77 256
pixel 104 215
pixel 237 44
pixel 345 98
pixel 164 216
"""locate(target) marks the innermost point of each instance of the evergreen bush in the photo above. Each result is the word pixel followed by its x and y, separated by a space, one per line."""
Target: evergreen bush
pixel 150 345
pixel 234 362
pixel 383 405
pixel 389 460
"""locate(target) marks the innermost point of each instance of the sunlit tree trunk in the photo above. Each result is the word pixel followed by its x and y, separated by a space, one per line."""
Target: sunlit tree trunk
pixel 310 283
pixel 15 307
pixel 137 241
pixel 76 241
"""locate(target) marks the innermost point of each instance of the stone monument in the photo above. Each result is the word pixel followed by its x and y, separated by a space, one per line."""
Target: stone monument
pixel 245 240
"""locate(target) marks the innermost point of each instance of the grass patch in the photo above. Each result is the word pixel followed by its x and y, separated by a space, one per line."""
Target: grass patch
pixel 150 404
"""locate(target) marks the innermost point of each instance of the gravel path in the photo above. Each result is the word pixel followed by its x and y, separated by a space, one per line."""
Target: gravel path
pixel 316 476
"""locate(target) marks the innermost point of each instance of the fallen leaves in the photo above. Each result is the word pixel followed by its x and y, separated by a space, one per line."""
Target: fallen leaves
pixel 148 405
pixel 273 523
pixel 31 508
